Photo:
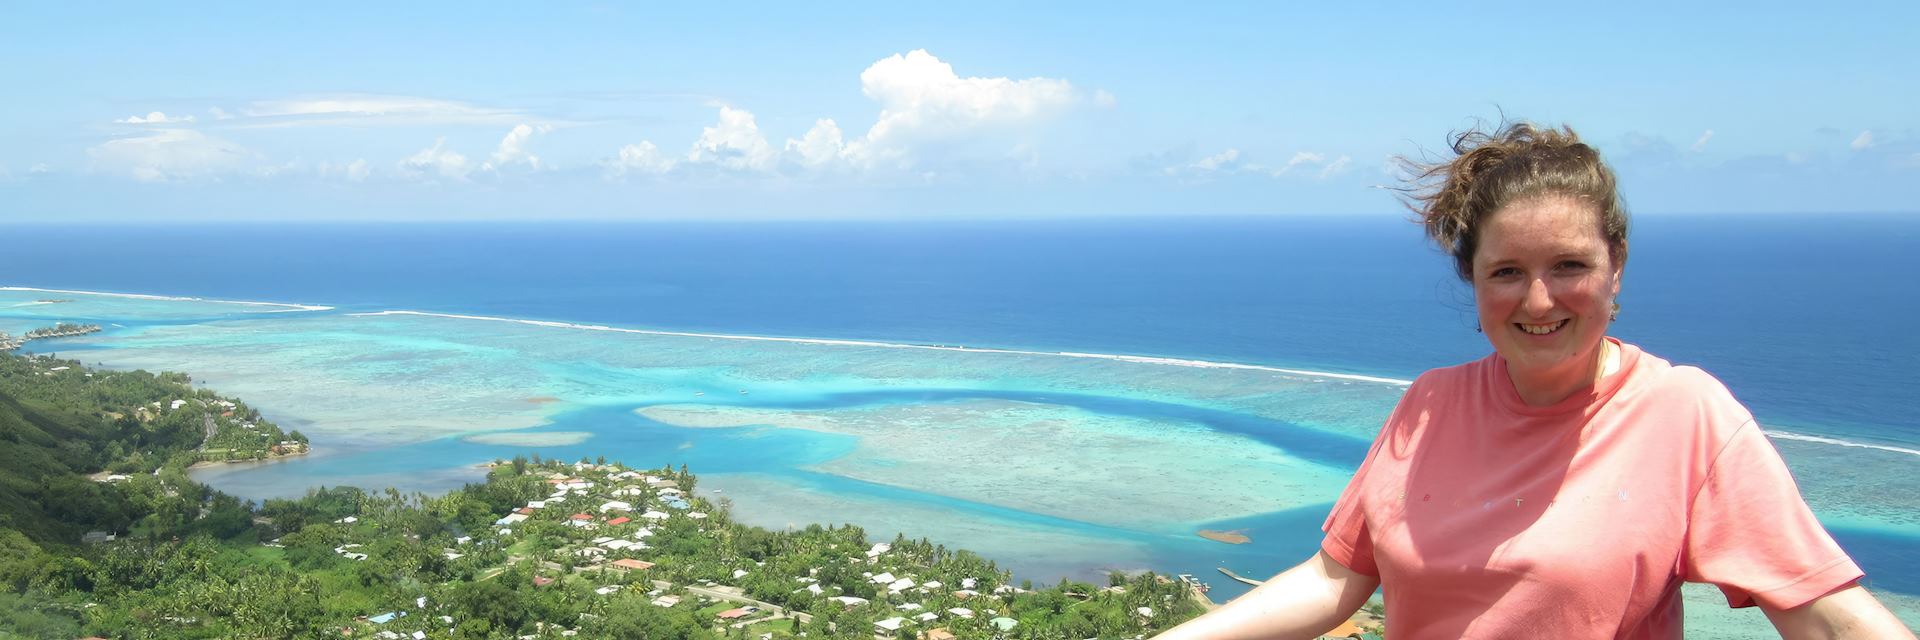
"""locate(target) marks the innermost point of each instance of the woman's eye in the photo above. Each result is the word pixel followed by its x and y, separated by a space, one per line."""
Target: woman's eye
pixel 1503 272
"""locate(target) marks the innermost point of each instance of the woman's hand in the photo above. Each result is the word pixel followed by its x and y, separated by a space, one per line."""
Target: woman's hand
pixel 1302 602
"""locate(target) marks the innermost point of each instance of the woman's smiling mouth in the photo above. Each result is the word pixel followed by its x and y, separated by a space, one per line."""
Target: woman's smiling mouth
pixel 1542 329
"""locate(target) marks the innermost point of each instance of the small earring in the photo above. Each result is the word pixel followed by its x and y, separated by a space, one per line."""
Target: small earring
pixel 1616 312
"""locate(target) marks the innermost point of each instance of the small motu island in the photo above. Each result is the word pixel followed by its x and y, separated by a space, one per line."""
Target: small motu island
pixel 1229 537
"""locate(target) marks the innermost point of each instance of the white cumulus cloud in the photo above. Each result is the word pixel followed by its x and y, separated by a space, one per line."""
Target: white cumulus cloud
pixel 436 161
pixel 734 143
pixel 171 155
pixel 923 103
pixel 513 147
pixel 155 117
pixel 821 145
pixel 922 98
pixel 642 158
pixel 1298 159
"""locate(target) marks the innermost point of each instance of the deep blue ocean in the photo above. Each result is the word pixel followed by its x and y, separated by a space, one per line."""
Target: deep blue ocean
pixel 1802 316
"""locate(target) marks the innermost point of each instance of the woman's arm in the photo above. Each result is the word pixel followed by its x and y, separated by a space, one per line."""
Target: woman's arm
pixel 1302 602
pixel 1848 613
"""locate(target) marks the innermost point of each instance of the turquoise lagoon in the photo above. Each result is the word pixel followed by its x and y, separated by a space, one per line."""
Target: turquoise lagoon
pixel 1053 464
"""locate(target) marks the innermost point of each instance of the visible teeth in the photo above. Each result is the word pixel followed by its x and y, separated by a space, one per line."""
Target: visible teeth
pixel 1541 329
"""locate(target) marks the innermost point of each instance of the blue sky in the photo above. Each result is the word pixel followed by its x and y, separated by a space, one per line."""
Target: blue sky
pixel 430 111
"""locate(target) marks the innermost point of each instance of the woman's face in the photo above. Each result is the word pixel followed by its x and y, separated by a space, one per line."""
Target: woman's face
pixel 1544 285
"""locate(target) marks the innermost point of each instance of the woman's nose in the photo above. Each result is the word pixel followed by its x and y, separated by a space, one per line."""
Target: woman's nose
pixel 1539 300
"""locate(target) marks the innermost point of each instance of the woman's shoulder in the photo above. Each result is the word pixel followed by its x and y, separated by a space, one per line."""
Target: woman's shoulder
pixel 1456 376
pixel 1683 387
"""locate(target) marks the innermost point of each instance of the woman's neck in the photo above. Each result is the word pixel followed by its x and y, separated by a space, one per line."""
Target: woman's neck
pixel 1548 388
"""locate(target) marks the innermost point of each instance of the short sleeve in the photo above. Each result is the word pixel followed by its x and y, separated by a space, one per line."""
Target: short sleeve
pixel 1751 534
pixel 1348 541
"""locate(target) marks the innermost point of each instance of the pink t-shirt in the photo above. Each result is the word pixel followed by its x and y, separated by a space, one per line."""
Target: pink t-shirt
pixel 1487 518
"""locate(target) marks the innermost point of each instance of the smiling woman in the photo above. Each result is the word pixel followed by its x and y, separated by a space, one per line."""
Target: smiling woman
pixel 1568 483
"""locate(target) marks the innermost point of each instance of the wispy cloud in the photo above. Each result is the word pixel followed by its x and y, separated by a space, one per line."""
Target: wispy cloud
pixel 356 171
pixel 155 117
pixel 1862 141
pixel 1232 161
pixel 1701 144
pixel 370 109
pixel 1225 160
pixel 1337 167
pixel 1299 159
pixel 171 155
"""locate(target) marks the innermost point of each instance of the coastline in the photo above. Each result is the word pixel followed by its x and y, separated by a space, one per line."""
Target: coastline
pixel 207 464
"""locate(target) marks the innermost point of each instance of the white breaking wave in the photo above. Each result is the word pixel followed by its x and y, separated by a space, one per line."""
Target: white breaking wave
pixel 1155 360
pixel 143 296
pixel 1784 435
pixel 1200 364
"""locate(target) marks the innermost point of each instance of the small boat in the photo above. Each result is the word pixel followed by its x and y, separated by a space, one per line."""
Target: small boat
pixel 699 393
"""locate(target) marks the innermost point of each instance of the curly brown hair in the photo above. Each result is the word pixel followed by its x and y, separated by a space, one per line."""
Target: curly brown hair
pixel 1516 162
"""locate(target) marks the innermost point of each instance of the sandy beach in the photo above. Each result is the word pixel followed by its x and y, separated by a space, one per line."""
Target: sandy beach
pixel 1229 537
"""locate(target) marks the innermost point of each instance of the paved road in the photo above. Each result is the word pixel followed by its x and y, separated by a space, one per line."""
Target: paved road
pixel 729 594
